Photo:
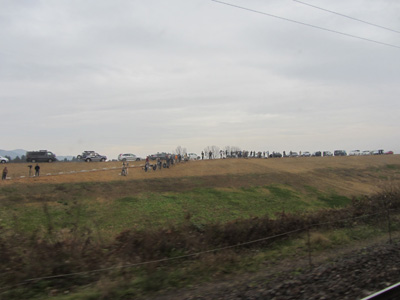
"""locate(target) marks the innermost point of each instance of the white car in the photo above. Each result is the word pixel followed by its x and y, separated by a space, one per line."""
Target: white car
pixel 327 153
pixel 377 152
pixel 128 157
pixel 355 152
pixel 366 152
pixel 3 160
pixel 306 154
pixel 192 156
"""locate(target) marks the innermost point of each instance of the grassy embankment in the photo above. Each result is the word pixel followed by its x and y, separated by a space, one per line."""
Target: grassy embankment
pixel 77 220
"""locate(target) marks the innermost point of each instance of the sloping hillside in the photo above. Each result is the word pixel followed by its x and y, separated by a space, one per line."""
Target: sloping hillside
pixel 347 175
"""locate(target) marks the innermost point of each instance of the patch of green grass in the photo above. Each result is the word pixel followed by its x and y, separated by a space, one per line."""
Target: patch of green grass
pixel 160 209
pixel 282 193
pixel 393 167
pixel 334 201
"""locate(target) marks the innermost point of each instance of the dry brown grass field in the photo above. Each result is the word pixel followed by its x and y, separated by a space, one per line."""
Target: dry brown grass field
pixel 347 175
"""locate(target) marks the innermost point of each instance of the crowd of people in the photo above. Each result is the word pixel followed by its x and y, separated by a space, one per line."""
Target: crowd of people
pixel 170 160
pixel 234 154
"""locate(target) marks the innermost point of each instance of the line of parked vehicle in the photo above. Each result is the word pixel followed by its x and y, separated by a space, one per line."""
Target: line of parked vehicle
pixel 89 156
pixel 328 153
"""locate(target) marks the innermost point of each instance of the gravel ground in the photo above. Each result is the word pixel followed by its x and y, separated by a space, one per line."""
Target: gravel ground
pixel 353 276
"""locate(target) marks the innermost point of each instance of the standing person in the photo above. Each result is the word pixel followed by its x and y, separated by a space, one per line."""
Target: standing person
pixel 159 163
pixel 4 176
pixel 124 171
pixel 202 155
pixel 37 170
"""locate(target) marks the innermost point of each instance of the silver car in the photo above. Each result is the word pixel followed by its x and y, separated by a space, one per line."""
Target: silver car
pixel 354 153
pixel 3 160
pixel 128 157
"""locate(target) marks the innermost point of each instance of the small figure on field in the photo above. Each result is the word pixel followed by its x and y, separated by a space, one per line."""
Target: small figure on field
pixel 202 155
pixel 209 155
pixel 124 171
pixel 159 163
pixel 4 176
pixel 37 170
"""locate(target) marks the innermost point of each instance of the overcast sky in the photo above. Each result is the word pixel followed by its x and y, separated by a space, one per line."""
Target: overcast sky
pixel 146 76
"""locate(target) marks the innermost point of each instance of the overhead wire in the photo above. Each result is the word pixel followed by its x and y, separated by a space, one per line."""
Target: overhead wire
pixel 343 15
pixel 306 24
pixel 27 281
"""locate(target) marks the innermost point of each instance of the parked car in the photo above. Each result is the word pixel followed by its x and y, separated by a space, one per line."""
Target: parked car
pixel 377 152
pixel 85 154
pixel 354 152
pixel 193 156
pixel 317 153
pixel 366 152
pixel 306 154
pixel 389 152
pixel 339 153
pixel 89 156
pixel 3 160
pixel 293 154
pixel 128 157
pixel 327 153
pixel 40 156
pixel 275 154
pixel 162 156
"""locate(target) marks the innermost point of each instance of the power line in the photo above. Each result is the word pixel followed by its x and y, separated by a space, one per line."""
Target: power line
pixel 27 281
pixel 342 15
pixel 306 24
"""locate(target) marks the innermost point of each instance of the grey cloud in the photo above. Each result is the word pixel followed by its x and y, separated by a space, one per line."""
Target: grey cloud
pixel 147 75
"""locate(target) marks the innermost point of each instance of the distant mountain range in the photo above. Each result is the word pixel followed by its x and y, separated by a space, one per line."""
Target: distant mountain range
pixel 19 152
pixel 13 153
